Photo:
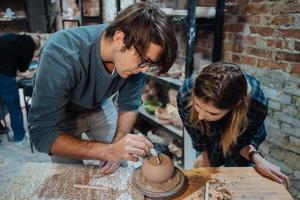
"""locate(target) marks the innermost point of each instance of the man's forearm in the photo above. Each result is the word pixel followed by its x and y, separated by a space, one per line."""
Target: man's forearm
pixel 69 146
pixel 126 121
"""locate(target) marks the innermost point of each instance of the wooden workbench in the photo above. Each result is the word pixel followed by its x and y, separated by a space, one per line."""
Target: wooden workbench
pixel 56 181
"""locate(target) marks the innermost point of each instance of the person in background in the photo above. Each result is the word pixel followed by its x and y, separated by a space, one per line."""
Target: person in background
pixel 82 69
pixel 224 110
pixel 16 53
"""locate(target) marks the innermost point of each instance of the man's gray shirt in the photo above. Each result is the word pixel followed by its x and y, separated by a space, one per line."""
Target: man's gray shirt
pixel 72 79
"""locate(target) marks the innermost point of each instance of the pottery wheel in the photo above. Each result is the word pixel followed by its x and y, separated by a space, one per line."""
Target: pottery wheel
pixel 164 189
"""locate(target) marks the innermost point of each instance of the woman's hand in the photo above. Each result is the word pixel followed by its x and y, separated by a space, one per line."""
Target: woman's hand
pixel 202 160
pixel 267 169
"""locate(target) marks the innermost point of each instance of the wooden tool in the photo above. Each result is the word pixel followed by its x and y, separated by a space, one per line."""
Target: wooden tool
pixel 96 187
pixel 155 153
pixel 206 191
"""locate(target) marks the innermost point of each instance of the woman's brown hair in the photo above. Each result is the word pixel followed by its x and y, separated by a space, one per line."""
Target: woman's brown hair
pixel 143 23
pixel 224 85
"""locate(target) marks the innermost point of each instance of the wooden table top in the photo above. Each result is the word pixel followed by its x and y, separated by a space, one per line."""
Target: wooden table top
pixel 56 181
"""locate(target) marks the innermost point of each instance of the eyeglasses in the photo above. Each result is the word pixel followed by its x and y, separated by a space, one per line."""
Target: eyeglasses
pixel 153 67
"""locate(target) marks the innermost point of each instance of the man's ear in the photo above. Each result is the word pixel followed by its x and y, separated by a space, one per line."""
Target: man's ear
pixel 118 39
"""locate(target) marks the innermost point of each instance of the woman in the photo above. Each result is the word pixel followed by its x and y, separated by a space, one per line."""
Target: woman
pixel 224 110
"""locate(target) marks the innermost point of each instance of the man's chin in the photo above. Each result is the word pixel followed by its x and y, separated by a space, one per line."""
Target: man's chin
pixel 124 75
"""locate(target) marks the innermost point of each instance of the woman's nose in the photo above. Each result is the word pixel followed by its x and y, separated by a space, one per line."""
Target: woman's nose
pixel 144 69
pixel 201 115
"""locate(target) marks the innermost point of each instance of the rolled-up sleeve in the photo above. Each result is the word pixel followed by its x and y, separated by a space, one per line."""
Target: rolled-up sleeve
pixel 50 96
pixel 130 94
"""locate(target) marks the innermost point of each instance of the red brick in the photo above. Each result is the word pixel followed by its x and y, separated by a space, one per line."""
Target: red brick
pixel 282 20
pixel 271 64
pixel 292 33
pixel 233 37
pixel 257 20
pixel 259 52
pixel 250 40
pixel 233 27
pixel 227 56
pixel 241 59
pixel 296 69
pixel 238 2
pixel 279 43
pixel 230 19
pixel 204 34
pixel 241 19
pixel 253 19
pixel 254 8
pixel 206 2
pixel 233 48
pixel 292 57
pixel 285 7
pixel 297 46
pixel 232 9
pixel 262 30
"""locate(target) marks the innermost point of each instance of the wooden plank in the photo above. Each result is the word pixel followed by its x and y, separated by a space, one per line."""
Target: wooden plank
pixel 58 181
pixel 240 182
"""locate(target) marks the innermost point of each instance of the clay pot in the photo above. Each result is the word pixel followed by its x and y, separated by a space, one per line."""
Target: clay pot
pixel 155 172
pixel 174 115
pixel 153 91
pixel 172 97
pixel 175 73
pixel 162 114
pixel 151 106
pixel 147 88
pixel 164 122
pixel 146 97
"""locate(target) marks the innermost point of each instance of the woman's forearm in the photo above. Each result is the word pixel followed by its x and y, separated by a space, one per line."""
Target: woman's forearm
pixel 246 150
pixel 206 159
pixel 202 160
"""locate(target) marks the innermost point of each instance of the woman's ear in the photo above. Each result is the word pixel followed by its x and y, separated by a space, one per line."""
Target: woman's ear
pixel 118 40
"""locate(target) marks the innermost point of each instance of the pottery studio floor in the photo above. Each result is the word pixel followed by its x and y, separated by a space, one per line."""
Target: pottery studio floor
pixel 13 158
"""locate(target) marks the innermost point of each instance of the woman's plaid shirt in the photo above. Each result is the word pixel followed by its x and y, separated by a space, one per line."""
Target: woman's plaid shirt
pixel 255 133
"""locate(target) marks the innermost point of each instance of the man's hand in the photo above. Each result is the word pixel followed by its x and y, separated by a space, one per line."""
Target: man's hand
pixel 267 169
pixel 129 147
pixel 110 167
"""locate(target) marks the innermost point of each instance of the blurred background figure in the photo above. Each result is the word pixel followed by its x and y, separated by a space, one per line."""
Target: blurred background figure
pixel 16 53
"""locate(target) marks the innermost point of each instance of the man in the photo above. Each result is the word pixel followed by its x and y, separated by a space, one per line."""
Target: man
pixel 16 52
pixel 82 69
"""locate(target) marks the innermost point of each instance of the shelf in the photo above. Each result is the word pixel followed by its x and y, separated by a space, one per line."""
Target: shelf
pixel 20 19
pixel 166 81
pixel 200 12
pixel 71 18
pixel 91 18
pixel 176 131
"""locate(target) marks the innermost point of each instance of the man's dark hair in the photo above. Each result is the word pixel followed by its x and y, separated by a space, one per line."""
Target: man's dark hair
pixel 144 23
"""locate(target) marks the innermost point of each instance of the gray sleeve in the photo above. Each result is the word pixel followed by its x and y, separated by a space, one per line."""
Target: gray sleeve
pixel 130 94
pixel 50 96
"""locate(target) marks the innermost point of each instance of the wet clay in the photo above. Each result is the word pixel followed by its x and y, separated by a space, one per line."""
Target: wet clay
pixel 157 187
pixel 157 172
pixel 163 160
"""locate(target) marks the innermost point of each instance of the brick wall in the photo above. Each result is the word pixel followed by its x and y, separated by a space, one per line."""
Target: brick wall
pixel 263 37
